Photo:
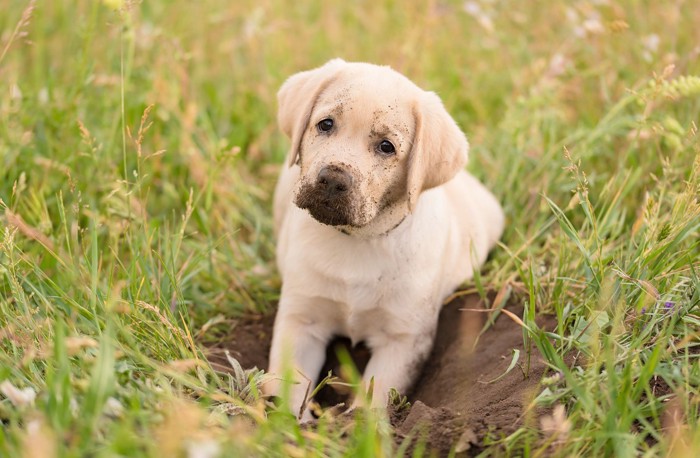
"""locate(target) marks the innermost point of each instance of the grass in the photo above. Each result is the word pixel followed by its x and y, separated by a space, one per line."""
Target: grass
pixel 138 152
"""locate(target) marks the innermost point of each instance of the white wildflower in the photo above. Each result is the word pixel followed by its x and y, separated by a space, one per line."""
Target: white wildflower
pixel 571 15
pixel 558 64
pixel 73 407
pixel 585 23
pixel 113 408
pixel 206 448
pixel 593 26
pixel 253 23
pixel 475 10
pixel 19 398
pixel 75 344
pixel 556 424
pixel 472 8
pixel 33 427
pixel 145 35
pixel 15 92
pixel 651 42
pixel 43 96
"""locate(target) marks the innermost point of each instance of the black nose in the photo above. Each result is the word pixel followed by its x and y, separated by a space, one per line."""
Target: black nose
pixel 334 180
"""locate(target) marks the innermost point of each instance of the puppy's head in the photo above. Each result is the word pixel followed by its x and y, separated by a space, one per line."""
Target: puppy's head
pixel 368 141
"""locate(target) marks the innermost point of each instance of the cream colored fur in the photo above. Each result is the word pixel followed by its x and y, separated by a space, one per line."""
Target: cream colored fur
pixel 418 225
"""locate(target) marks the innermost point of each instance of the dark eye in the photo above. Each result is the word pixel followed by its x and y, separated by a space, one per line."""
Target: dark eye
pixel 325 125
pixel 386 147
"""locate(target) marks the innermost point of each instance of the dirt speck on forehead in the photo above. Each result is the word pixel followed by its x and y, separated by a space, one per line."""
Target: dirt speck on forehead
pixel 453 403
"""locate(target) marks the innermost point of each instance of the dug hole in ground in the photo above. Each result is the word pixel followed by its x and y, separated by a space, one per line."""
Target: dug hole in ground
pixel 462 395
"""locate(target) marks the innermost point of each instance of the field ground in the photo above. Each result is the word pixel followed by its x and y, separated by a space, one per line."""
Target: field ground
pixel 470 389
pixel 138 153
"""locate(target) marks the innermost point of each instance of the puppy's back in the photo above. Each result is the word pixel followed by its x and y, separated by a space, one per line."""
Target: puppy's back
pixel 478 210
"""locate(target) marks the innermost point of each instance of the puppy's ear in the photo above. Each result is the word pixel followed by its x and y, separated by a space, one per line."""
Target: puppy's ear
pixel 296 99
pixel 440 149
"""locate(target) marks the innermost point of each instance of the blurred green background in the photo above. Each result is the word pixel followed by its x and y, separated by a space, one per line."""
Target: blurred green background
pixel 138 153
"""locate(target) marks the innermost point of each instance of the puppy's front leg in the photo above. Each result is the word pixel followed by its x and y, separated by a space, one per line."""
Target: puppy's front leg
pixel 395 363
pixel 300 344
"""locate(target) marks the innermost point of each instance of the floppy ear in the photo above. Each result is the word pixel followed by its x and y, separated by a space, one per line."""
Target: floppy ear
pixel 440 149
pixel 296 99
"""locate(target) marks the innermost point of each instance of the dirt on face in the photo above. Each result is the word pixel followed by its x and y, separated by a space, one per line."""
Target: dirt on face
pixel 461 397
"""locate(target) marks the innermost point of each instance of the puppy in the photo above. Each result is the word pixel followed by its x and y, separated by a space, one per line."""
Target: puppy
pixel 377 223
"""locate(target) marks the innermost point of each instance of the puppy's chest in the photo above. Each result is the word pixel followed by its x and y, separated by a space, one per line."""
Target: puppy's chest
pixel 373 310
pixel 373 292
pixel 359 284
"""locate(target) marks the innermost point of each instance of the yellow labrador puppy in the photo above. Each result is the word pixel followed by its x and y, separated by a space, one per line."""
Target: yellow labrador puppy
pixel 377 223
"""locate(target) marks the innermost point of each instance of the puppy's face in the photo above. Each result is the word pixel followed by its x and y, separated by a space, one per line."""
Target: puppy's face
pixel 354 152
pixel 364 136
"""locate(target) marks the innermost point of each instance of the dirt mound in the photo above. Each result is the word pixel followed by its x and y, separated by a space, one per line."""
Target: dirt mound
pixel 462 396
pixel 464 376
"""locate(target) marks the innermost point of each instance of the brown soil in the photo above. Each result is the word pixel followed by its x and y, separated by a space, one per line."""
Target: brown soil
pixel 248 341
pixel 455 402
